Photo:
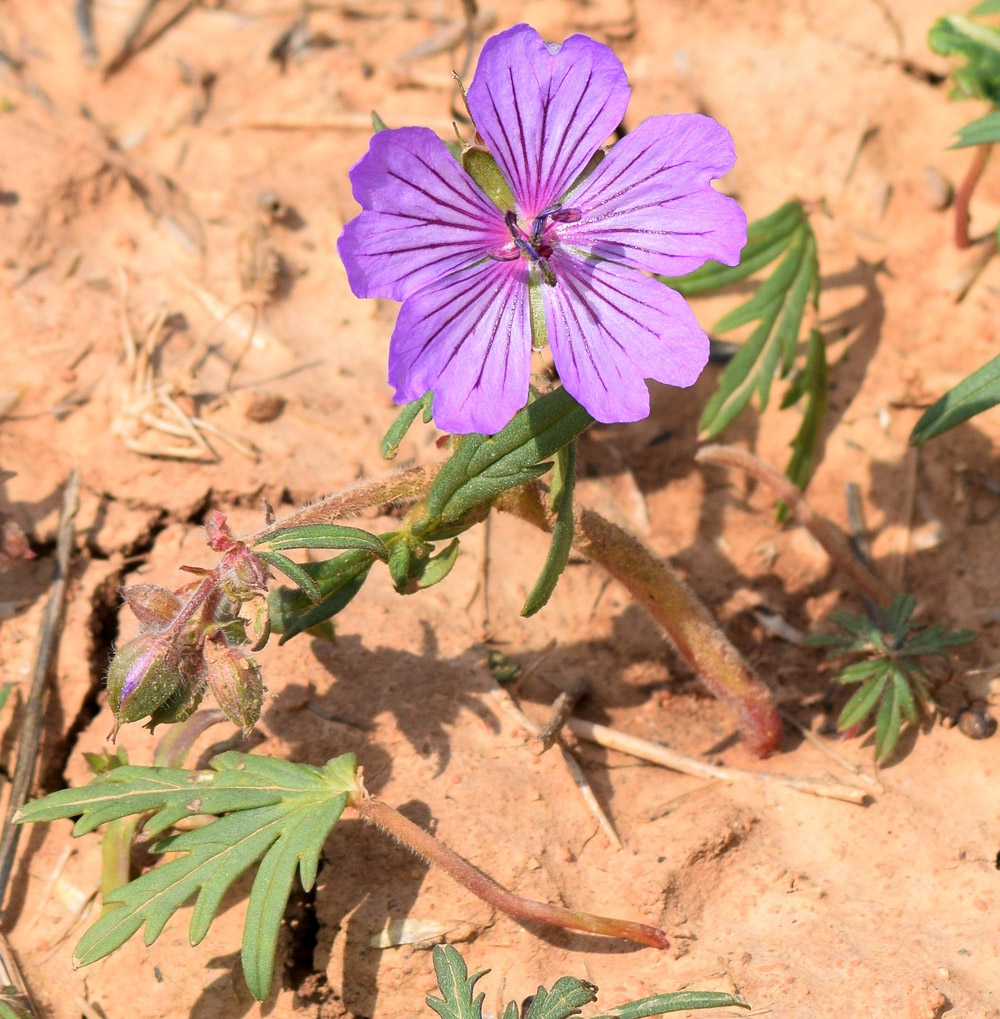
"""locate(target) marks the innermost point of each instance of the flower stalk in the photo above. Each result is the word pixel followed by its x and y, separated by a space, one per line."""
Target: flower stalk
pixel 423 844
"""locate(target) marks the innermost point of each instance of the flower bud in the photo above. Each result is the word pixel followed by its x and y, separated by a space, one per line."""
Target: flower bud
pixel 242 575
pixel 154 606
pixel 143 674
pixel 236 681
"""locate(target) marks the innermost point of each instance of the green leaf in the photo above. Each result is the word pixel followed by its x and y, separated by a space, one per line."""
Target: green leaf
pixel 973 395
pixel 456 985
pixel 978 77
pixel 984 131
pixel 778 306
pixel 562 534
pixel 483 467
pixel 337 581
pixel 406 417
pixel 813 384
pixel 14 1005
pixel 378 124
pixel 862 703
pixel 438 566
pixel 5 691
pixel 296 574
pixel 678 1001
pixel 907 702
pixel 336 536
pixel 985 8
pixel 483 169
pixel 567 997
pixel 268 808
pixel 887 724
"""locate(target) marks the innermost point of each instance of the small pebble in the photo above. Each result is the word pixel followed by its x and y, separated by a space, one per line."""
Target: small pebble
pixel 977 723
pixel 259 406
pixel 938 190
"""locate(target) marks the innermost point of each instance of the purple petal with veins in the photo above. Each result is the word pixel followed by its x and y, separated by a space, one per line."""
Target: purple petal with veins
pixel 610 328
pixel 543 114
pixel 650 204
pixel 428 236
pixel 424 216
pixel 468 338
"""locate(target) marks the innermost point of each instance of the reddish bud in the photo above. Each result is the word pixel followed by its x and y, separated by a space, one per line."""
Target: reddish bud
pixel 154 606
pixel 236 681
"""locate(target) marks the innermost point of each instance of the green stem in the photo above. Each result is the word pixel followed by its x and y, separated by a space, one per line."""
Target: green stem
pixel 675 607
pixel 485 888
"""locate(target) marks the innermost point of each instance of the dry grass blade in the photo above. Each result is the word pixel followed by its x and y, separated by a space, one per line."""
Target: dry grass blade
pixel 506 702
pixel 655 753
pixel 48 646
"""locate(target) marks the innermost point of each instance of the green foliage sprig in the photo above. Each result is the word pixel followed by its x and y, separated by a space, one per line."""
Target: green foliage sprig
pixel 268 810
pixel 893 684
pixel 784 238
pixel 563 1001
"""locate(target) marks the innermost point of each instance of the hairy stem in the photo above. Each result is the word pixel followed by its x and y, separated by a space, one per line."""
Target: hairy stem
pixel 675 607
pixel 834 542
pixel 485 888
pixel 964 194
pixel 404 486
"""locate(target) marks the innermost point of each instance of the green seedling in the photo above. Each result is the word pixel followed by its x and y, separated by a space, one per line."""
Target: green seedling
pixel 892 683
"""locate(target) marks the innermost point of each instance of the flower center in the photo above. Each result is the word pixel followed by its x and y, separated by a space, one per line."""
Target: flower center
pixel 537 246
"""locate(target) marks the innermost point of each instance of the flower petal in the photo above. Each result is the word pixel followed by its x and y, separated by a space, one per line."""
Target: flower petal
pixel 423 216
pixel 650 203
pixel 610 328
pixel 467 338
pixel 543 112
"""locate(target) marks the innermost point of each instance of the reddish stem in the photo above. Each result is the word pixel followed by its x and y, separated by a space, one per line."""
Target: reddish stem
pixel 485 888
pixel 833 540
pixel 675 607
pixel 964 195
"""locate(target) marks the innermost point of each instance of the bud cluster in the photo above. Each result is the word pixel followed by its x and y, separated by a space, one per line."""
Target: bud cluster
pixel 196 639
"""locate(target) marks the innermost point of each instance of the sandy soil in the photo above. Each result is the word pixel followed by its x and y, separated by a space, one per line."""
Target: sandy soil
pixel 134 196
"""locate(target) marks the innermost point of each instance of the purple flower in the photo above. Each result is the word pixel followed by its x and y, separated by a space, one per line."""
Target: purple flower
pixel 464 268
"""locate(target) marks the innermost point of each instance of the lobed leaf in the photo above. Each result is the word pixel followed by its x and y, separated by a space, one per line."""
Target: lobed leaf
pixel 567 997
pixel 269 808
pixel 956 35
pixel 862 702
pixel 973 395
pixel 456 985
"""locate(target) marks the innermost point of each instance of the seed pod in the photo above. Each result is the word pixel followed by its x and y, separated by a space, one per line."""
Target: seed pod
pixel 143 674
pixel 152 605
pixel 236 681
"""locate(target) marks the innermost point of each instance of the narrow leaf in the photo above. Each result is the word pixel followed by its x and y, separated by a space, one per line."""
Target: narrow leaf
pixel 561 543
pixel 295 573
pixel 860 706
pixel 678 1001
pixel 399 428
pixel 973 395
pixel 887 725
pixel 335 536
